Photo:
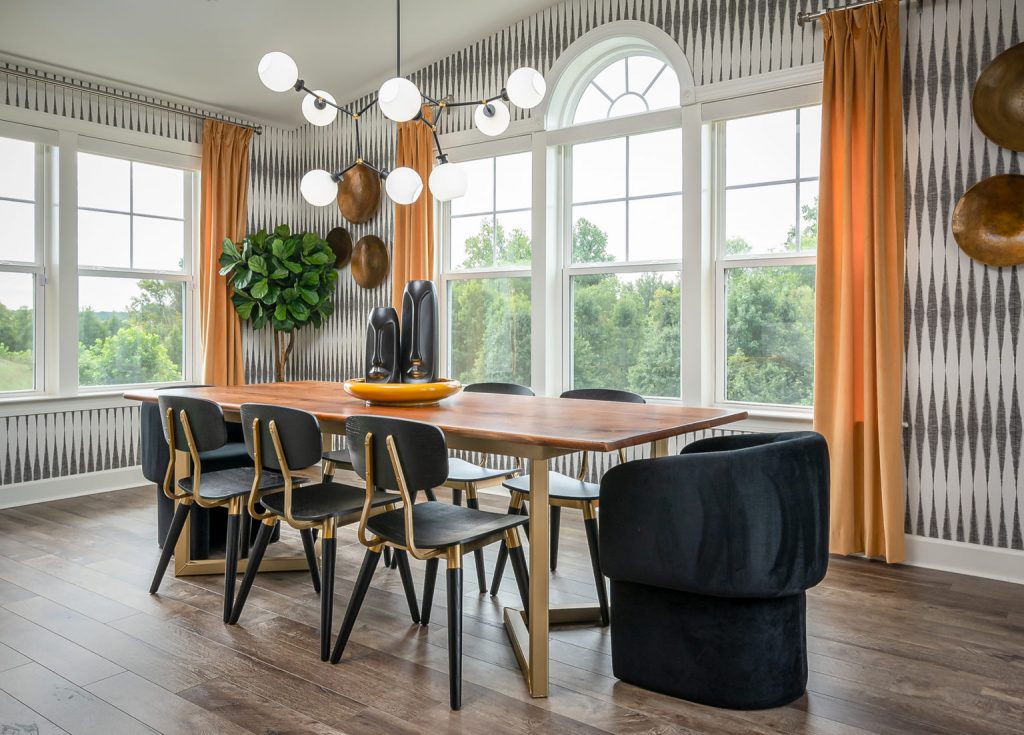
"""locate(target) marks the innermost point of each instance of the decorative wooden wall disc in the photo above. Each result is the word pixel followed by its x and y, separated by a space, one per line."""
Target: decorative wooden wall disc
pixel 341 243
pixel 998 100
pixel 370 261
pixel 988 222
pixel 359 194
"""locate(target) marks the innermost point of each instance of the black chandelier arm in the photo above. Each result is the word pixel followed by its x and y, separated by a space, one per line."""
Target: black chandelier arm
pixel 502 95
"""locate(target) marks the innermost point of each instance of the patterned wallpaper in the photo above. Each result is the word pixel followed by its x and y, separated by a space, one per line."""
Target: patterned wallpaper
pixel 965 361
pixel 963 398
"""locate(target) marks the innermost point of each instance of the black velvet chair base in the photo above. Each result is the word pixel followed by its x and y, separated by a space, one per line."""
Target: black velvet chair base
pixel 735 653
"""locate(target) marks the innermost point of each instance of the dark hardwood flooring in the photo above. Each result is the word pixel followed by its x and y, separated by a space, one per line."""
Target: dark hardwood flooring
pixel 85 649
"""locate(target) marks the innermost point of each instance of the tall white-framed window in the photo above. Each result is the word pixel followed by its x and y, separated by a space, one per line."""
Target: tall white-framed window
pixel 765 237
pixel 23 196
pixel 486 257
pixel 135 225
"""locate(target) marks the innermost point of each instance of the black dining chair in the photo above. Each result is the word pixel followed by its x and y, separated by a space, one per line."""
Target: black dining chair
pixel 466 477
pixel 709 573
pixel 284 440
pixel 198 426
pixel 406 456
pixel 569 492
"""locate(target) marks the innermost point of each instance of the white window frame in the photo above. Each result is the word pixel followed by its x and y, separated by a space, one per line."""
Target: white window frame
pixel 187 276
pixel 447 273
pixel 717 115
pixel 57 387
pixel 42 203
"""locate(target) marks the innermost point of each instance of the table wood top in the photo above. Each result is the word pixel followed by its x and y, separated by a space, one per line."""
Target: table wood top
pixel 531 420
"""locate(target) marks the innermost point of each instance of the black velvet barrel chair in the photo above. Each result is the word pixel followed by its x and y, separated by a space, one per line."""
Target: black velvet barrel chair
pixel 467 477
pixel 280 441
pixel 207 526
pixel 709 555
pixel 406 456
pixel 570 492
pixel 197 426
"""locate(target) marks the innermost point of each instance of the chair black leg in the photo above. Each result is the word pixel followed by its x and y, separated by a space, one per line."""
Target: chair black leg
pixel 328 549
pixel 499 565
pixel 430 495
pixel 230 562
pixel 455 636
pixel 556 521
pixel 244 534
pixel 370 559
pixel 472 501
pixel 522 575
pixel 456 497
pixel 259 548
pixel 428 590
pixel 595 560
pixel 177 523
pixel 387 556
pixel 407 583
pixel 308 545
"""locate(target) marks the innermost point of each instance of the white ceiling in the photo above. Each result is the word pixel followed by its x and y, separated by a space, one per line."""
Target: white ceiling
pixel 206 51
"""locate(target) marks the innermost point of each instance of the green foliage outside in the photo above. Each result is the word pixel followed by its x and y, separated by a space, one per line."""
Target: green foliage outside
pixel 15 349
pixel 626 330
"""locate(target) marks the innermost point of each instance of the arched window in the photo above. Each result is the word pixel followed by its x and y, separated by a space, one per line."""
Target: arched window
pixel 627 86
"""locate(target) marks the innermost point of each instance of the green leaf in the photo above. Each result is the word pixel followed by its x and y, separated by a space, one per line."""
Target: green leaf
pixel 277 248
pixel 282 231
pixel 280 273
pixel 242 278
pixel 319 258
pixel 259 322
pixel 299 311
pixel 258 264
pixel 284 325
pixel 310 297
pixel 293 266
pixel 289 295
pixel 259 289
pixel 244 310
pixel 225 269
pixel 229 248
pixel 316 320
pixel 281 312
pixel 272 294
pixel 309 278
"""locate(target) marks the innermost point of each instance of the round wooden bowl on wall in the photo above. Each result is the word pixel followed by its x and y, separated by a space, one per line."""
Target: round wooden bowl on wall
pixel 370 261
pixel 341 243
pixel 988 222
pixel 998 100
pixel 359 194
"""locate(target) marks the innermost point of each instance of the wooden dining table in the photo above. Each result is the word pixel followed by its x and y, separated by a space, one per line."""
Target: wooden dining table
pixel 536 429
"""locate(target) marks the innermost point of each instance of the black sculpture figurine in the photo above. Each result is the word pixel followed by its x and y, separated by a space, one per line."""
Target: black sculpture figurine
pixel 382 355
pixel 419 332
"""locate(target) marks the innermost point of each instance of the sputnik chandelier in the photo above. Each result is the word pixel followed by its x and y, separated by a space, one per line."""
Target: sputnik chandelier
pixel 399 100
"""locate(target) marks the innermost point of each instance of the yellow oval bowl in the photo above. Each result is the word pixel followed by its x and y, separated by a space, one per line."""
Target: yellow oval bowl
pixel 402 394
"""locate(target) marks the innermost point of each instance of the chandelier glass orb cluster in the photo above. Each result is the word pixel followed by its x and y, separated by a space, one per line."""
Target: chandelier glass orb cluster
pixel 399 100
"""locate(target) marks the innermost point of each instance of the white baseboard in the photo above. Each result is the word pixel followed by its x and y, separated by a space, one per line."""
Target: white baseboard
pixel 71 486
pixel 962 558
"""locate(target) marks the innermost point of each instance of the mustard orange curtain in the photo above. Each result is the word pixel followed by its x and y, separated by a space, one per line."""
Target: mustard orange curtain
pixel 858 365
pixel 413 251
pixel 225 186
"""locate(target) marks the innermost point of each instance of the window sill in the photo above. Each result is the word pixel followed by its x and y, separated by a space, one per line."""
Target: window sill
pixel 49 403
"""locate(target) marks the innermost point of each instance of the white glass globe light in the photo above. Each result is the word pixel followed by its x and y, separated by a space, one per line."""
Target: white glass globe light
pixel 494 124
pixel 278 71
pixel 317 116
pixel 403 185
pixel 448 181
pixel 525 87
pixel 399 99
pixel 318 188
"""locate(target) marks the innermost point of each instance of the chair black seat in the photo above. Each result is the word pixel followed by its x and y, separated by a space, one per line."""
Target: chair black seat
pixel 325 499
pixel 459 470
pixel 229 483
pixel 439 525
pixel 338 456
pixel 560 487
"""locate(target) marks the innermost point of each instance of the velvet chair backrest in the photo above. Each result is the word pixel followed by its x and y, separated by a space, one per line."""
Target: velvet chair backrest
pixel 299 432
pixel 604 394
pixel 731 516
pixel 507 389
pixel 421 450
pixel 205 420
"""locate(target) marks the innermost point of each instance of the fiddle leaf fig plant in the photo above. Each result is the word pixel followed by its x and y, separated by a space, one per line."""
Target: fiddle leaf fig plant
pixel 283 279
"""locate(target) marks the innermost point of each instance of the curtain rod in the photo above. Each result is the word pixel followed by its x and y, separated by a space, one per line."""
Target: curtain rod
pixel 124 97
pixel 807 17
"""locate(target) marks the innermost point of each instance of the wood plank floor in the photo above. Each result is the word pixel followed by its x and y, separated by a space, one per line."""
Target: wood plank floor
pixel 85 649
